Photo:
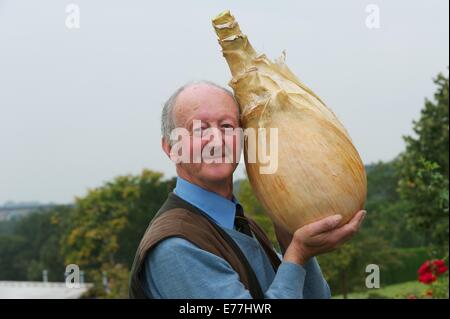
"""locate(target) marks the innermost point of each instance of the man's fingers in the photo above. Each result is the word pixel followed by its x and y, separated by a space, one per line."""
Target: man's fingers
pixel 358 217
pixel 323 225
pixel 324 232
pixel 345 232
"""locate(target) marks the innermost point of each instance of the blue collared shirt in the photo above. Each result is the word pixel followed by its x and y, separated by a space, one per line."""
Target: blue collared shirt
pixel 219 208
pixel 176 268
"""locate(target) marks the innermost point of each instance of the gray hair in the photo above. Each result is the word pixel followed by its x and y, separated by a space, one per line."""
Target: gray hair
pixel 167 118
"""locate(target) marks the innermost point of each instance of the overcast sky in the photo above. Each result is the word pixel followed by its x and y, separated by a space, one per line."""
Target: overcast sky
pixel 81 106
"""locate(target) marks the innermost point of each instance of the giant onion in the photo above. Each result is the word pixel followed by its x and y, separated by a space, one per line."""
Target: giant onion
pixel 319 171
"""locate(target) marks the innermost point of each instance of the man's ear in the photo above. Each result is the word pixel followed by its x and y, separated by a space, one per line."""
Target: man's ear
pixel 165 146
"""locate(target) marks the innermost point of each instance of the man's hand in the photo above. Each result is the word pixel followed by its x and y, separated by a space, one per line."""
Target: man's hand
pixel 318 237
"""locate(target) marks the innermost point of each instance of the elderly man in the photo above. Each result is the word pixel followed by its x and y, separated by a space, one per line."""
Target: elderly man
pixel 200 244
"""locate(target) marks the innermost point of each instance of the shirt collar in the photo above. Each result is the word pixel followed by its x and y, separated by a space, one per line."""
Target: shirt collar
pixel 219 208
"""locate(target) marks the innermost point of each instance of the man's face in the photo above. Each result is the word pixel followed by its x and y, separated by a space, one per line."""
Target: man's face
pixel 216 111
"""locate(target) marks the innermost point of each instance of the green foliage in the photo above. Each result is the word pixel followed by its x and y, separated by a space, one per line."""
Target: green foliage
pixel 386 212
pixel 13 263
pixel 395 291
pixel 382 180
pixel 440 288
pixel 411 259
pixel 436 290
pixel 427 200
pixel 345 267
pixel 432 130
pixel 117 282
pixel 424 169
pixel 33 247
pixel 7 227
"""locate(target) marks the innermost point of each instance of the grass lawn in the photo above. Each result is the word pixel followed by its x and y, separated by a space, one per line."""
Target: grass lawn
pixel 391 291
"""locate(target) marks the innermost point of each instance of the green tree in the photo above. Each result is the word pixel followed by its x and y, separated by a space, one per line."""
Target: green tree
pixel 13 263
pixel 424 168
pixel 386 212
pixel 34 247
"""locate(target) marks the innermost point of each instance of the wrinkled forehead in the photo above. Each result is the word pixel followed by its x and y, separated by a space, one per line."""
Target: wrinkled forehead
pixel 206 103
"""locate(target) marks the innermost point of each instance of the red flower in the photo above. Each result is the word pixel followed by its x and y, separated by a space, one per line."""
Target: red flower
pixel 429 293
pixel 429 270
pixel 425 268
pixel 439 263
pixel 441 270
pixel 427 278
pixel 440 267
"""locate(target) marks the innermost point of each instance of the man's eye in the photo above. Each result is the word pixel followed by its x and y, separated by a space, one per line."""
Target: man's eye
pixel 200 131
pixel 227 126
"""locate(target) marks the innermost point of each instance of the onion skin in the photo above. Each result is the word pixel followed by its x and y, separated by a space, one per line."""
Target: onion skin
pixel 319 171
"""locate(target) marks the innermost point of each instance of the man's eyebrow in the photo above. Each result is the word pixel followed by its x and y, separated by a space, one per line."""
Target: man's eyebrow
pixel 229 117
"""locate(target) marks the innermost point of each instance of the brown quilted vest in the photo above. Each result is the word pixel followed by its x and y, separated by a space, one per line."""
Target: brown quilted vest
pixel 178 218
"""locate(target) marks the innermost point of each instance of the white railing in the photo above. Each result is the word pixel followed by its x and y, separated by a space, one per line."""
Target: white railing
pixel 40 284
